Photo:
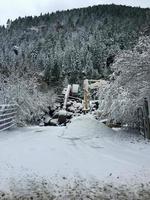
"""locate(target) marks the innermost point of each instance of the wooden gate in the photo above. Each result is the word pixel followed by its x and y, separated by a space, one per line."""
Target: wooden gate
pixel 7 116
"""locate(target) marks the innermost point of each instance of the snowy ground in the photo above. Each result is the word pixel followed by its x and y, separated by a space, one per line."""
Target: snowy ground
pixel 84 151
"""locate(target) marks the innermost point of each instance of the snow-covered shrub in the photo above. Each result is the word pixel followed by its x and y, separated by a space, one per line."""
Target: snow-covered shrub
pixel 129 84
pixel 24 92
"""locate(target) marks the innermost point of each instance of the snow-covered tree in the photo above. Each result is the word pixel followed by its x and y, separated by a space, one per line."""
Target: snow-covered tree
pixel 129 84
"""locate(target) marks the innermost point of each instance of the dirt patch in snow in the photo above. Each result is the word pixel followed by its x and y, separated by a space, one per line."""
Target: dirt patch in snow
pixel 77 190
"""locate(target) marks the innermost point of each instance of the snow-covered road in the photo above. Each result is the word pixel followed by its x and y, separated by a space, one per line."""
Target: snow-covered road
pixel 85 148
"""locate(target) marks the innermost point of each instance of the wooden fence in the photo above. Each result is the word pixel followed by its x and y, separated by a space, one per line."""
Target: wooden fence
pixel 7 116
pixel 144 118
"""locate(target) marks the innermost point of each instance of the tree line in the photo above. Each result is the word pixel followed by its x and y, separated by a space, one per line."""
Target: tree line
pixel 63 44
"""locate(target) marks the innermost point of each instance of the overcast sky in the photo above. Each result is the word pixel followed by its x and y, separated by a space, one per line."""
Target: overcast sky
pixel 14 8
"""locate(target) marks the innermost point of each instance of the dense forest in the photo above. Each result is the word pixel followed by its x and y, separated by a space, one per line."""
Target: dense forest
pixel 56 48
pixel 63 44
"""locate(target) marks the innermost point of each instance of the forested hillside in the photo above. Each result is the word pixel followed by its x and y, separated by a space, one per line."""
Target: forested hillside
pixel 63 44
pixel 40 54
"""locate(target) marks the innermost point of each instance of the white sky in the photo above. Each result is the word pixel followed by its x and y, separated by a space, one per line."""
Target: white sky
pixel 14 8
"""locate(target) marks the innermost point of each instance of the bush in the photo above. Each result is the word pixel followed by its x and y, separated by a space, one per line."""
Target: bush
pixel 24 92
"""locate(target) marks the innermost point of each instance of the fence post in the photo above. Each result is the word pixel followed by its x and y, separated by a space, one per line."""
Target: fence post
pixel 140 116
pixel 146 119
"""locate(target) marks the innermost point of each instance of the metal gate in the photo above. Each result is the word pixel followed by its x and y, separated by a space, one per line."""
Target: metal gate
pixel 7 116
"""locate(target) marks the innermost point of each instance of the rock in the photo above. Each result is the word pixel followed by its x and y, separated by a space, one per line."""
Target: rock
pixel 54 122
pixel 69 103
pixel 41 123
pixel 78 105
pixel 56 115
pixel 71 109
pixel 47 119
pixel 62 118
pixel 69 115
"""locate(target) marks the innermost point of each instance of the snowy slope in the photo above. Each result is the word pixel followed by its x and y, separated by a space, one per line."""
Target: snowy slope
pixel 85 148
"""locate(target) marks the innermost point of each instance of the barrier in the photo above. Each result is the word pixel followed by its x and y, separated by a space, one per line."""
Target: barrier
pixel 7 116
pixel 144 119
